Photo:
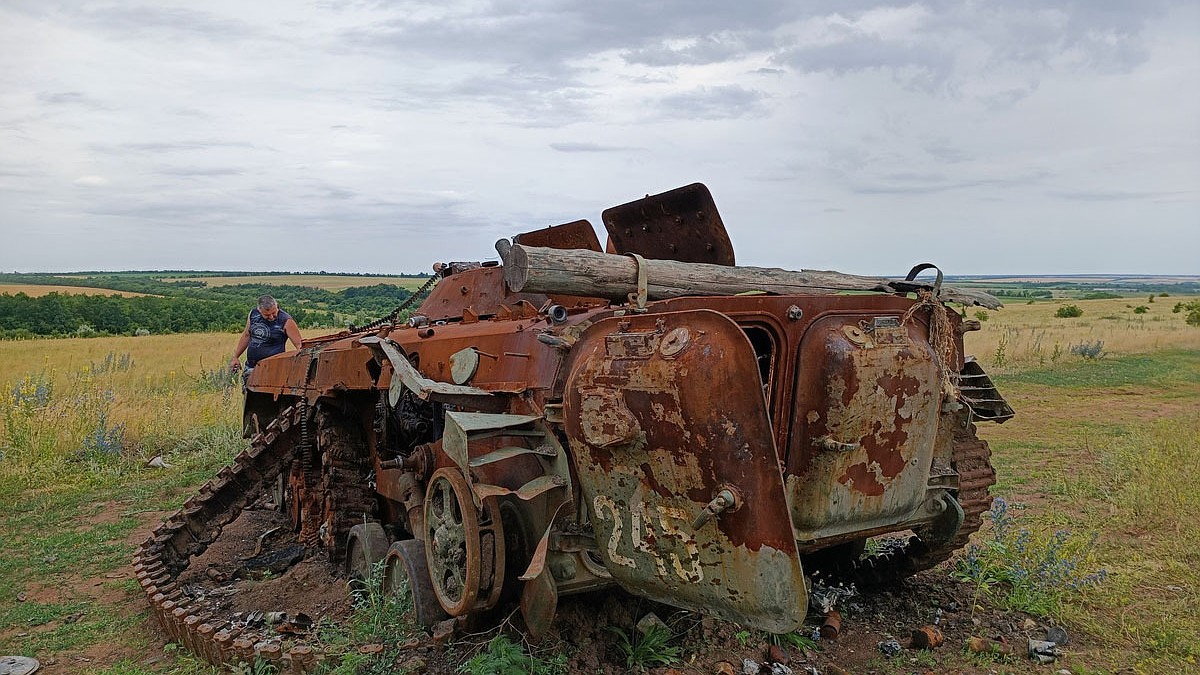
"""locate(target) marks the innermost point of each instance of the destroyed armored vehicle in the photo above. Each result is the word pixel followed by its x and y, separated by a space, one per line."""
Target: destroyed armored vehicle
pixel 651 417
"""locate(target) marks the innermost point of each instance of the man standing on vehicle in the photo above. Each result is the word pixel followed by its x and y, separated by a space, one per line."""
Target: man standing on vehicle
pixel 268 329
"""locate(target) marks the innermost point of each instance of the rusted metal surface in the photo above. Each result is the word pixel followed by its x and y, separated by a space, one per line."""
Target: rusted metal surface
pixel 576 234
pixel 682 224
pixel 664 413
pixel 864 422
pixel 692 450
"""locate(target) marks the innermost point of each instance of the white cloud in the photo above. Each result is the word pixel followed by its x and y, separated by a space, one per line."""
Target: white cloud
pixel 851 135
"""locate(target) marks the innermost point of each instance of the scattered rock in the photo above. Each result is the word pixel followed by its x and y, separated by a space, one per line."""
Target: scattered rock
pixel 157 462
pixel 647 623
pixel 1043 652
pixel 750 667
pixel 725 668
pixel 1057 635
pixel 890 647
pixel 780 669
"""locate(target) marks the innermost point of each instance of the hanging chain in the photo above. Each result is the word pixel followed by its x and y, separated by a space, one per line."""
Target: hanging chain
pixel 391 318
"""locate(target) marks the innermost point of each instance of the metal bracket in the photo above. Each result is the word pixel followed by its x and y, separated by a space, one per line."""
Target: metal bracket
pixel 638 299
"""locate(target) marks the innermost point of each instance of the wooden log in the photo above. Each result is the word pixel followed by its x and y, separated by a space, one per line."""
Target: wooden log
pixel 531 269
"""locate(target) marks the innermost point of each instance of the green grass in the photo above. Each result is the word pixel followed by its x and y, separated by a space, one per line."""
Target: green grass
pixel 1161 369
pixel 1117 467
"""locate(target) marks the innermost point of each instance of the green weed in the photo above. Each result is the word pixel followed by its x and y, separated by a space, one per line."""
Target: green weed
pixel 651 649
pixel 502 656
pixel 1029 572
pixel 794 639
pixel 377 617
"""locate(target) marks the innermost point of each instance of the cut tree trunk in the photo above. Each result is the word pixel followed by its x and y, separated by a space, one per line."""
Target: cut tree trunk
pixel 531 269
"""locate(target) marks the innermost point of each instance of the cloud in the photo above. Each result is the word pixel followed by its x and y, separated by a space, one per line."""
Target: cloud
pixel 91 181
pixel 196 171
pixel 166 23
pixel 713 103
pixel 1111 195
pixel 69 98
pixel 588 147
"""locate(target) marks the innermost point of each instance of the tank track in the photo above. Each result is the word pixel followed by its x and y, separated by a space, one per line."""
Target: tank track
pixel 972 461
pixel 158 562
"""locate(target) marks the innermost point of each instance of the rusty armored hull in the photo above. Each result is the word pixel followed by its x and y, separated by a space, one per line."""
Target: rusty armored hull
pixel 646 417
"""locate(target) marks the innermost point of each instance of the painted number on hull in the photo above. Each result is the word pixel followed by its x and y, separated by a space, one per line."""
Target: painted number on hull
pixel 662 542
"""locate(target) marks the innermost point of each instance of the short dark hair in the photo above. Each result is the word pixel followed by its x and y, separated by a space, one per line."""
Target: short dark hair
pixel 266 302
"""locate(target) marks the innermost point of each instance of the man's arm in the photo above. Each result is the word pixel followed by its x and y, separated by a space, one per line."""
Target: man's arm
pixel 235 363
pixel 293 333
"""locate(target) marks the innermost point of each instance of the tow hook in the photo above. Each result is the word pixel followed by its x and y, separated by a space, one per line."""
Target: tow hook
pixel 725 500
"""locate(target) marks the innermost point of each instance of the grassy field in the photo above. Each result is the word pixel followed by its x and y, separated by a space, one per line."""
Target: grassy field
pixel 1022 336
pixel 329 282
pixel 1102 449
pixel 37 290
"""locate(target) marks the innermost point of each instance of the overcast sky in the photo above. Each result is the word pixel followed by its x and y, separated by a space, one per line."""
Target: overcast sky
pixel 1013 136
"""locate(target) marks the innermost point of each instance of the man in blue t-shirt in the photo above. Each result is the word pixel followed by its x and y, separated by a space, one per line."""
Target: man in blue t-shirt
pixel 268 329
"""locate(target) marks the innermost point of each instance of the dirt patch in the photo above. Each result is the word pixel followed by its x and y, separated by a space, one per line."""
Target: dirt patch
pixel 311 587
pixel 584 631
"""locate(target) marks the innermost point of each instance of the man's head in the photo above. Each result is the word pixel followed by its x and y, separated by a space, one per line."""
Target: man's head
pixel 268 307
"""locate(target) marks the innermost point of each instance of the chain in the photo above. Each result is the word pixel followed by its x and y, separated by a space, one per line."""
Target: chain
pixel 391 318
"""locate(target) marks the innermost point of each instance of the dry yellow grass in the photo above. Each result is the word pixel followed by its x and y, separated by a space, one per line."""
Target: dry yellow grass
pixel 329 282
pixel 1028 335
pixel 38 290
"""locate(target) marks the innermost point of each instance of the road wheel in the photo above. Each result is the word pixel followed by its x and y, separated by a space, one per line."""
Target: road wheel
pixel 452 545
pixel 405 572
pixel 366 547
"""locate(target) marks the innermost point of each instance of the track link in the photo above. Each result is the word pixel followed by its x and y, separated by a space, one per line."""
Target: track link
pixel 160 560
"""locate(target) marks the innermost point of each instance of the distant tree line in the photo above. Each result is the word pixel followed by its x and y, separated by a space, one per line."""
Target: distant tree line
pixel 175 307
pixel 1021 293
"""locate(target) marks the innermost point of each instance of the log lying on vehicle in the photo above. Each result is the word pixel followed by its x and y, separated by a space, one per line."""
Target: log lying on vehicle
pixel 531 269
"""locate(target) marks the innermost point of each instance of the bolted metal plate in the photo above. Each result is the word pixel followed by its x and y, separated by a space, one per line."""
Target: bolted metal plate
pixel 664 412
pixel 681 224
